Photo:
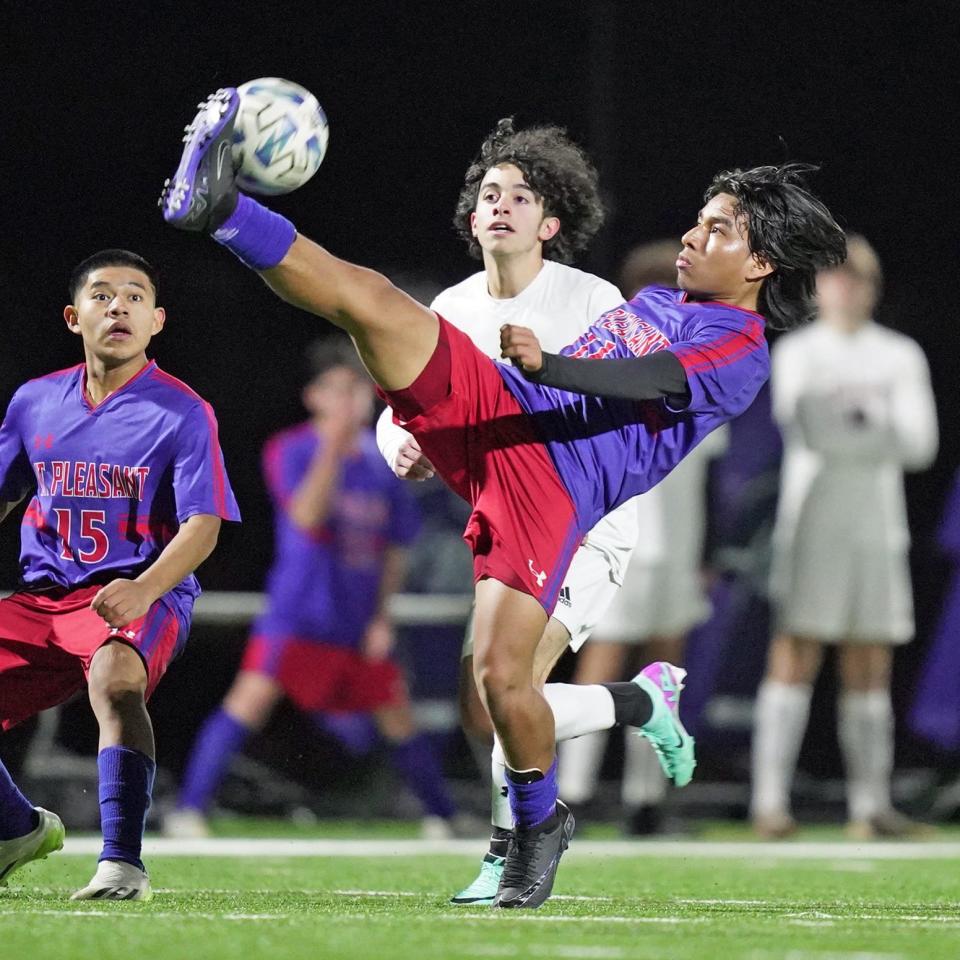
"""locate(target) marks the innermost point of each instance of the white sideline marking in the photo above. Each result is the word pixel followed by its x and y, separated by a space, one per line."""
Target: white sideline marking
pixel 146 915
pixel 787 850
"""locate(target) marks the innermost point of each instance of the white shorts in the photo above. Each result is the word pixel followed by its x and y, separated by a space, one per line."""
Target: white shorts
pixel 655 601
pixel 586 594
pixel 850 593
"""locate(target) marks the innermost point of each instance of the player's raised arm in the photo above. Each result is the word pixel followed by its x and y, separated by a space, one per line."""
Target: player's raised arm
pixel 650 377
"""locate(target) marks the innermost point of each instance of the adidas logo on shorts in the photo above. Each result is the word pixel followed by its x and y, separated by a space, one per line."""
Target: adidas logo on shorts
pixel 564 597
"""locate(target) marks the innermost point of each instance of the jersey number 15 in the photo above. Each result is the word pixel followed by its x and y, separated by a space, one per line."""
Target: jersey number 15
pixel 91 532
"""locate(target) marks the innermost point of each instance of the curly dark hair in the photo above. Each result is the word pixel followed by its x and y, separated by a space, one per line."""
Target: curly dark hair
pixel 558 172
pixel 789 228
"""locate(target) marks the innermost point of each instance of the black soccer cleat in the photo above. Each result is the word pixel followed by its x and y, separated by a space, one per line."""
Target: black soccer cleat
pixel 532 862
pixel 203 193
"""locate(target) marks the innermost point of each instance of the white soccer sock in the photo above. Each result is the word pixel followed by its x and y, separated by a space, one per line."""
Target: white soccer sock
pixel 579 708
pixel 579 766
pixel 780 719
pixel 865 727
pixel 500 813
pixel 644 784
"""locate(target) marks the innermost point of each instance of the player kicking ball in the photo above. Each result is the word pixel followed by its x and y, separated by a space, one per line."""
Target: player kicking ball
pixel 128 490
pixel 539 463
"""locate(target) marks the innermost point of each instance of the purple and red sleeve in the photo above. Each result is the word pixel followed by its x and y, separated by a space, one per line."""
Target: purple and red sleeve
pixel 721 361
pixel 200 481
pixel 16 474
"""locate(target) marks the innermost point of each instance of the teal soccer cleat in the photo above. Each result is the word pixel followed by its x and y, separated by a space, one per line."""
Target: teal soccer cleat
pixel 481 892
pixel 673 745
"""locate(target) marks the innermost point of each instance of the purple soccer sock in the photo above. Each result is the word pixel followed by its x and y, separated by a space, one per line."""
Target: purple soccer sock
pixel 220 739
pixel 417 763
pixel 258 236
pixel 126 784
pixel 532 802
pixel 17 816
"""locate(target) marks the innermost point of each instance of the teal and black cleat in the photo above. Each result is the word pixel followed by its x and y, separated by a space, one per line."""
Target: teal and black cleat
pixel 673 745
pixel 47 838
pixel 481 892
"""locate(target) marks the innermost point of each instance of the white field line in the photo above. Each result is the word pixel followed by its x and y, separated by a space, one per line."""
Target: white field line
pixel 145 915
pixel 685 849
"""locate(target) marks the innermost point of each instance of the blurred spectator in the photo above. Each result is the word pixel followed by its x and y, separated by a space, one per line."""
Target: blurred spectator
pixel 325 640
pixel 855 405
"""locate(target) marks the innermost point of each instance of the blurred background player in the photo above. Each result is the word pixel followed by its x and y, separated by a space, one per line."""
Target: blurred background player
pixel 662 597
pixel 526 281
pixel 856 408
pixel 129 489
pixel 326 638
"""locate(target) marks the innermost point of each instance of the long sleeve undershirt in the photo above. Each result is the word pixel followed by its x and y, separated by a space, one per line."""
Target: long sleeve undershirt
pixel 649 377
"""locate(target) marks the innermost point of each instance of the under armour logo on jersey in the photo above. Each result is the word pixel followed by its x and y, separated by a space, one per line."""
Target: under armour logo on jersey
pixel 541 576
pixel 504 792
pixel 46 441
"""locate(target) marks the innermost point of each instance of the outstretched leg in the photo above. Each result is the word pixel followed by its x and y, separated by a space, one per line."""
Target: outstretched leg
pixel 394 334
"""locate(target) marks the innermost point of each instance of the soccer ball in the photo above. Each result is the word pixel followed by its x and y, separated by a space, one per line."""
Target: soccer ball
pixel 280 136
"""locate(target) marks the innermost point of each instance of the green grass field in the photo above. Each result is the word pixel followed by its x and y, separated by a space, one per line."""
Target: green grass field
pixel 840 903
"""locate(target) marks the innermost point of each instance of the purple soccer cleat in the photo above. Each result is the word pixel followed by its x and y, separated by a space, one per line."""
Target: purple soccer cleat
pixel 202 193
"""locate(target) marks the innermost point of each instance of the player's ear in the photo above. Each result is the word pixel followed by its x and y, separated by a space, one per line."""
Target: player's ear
pixel 549 228
pixel 159 318
pixel 758 268
pixel 473 223
pixel 72 318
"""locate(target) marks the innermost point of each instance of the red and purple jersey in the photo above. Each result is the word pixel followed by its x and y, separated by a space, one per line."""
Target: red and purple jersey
pixel 609 450
pixel 111 483
pixel 324 583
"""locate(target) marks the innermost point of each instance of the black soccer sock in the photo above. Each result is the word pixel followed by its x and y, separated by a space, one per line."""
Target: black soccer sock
pixel 632 706
pixel 499 842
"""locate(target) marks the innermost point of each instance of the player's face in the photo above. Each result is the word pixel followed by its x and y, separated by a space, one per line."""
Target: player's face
pixel 341 394
pixel 716 260
pixel 844 296
pixel 509 218
pixel 116 314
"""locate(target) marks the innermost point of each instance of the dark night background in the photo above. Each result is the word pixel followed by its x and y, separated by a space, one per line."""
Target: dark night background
pixel 662 95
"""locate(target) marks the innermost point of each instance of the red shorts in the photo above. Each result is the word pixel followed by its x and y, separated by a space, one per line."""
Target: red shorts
pixel 48 640
pixel 523 530
pixel 321 676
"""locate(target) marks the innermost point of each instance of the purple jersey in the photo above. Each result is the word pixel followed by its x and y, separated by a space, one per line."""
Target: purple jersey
pixel 324 583
pixel 609 450
pixel 112 483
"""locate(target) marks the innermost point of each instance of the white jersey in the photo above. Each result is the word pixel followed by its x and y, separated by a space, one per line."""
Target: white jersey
pixel 558 305
pixel 856 410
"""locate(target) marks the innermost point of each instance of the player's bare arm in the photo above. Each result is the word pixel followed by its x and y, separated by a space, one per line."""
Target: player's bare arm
pixel 122 601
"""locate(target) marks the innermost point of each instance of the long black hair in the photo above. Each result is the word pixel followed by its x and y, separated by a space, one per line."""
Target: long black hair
pixel 789 228
pixel 558 172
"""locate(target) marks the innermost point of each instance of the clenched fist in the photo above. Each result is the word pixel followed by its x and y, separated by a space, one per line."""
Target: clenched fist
pixel 521 346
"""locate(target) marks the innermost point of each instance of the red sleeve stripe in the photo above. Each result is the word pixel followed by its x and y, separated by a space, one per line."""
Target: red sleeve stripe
pixel 219 472
pixel 725 350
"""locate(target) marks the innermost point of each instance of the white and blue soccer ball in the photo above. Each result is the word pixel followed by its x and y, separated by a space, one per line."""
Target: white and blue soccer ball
pixel 280 136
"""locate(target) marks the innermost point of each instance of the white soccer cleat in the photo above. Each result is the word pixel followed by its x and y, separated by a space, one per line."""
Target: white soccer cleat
pixel 185 824
pixel 116 880
pixel 47 838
